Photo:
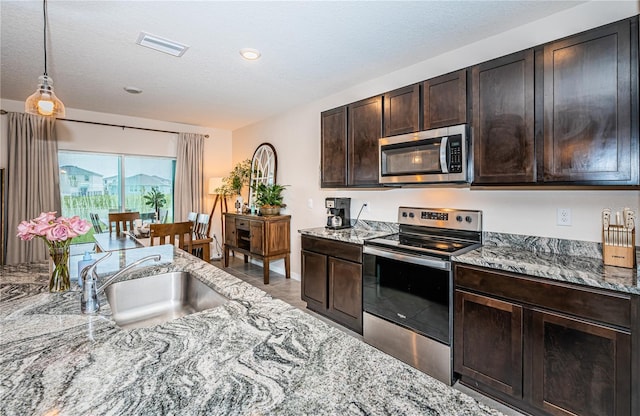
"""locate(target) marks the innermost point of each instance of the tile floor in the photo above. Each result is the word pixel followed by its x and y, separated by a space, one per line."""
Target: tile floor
pixel 288 290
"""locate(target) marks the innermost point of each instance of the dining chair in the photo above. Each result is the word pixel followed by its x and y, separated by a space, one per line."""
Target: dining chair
pixel 201 226
pixel 95 220
pixel 172 233
pixel 192 216
pixel 163 213
pixel 122 221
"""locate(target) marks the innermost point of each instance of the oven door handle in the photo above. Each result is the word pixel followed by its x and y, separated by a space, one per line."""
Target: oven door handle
pixel 419 260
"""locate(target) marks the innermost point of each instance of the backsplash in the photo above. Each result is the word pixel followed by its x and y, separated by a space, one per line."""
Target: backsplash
pixel 544 244
pixel 370 225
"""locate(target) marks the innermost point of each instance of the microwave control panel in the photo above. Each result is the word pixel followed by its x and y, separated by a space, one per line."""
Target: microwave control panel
pixel 455 154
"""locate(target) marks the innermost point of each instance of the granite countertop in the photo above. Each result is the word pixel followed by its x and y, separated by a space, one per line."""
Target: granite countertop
pixel 533 256
pixel 363 230
pixel 252 355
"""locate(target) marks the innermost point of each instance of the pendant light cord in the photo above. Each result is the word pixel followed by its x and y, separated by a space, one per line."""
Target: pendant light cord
pixel 44 13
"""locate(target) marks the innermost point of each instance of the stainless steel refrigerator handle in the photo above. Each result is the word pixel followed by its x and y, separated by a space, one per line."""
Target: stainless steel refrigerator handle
pixel 421 261
pixel 443 155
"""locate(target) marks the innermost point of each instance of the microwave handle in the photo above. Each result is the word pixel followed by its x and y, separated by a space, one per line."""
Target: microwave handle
pixel 443 155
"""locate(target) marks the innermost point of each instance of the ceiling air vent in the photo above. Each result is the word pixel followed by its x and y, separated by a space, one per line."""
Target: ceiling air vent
pixel 161 44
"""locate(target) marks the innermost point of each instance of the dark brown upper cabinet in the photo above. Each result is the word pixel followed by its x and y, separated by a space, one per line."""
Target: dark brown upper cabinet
pixel 444 100
pixel 588 117
pixel 349 144
pixel 365 128
pixel 402 111
pixel 503 120
pixel 333 150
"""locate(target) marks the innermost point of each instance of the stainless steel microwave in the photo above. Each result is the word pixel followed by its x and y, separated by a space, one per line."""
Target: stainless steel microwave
pixel 431 156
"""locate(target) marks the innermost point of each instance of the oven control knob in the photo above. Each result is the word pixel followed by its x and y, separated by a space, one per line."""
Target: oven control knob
pixel 404 214
pixel 411 215
pixel 468 219
pixel 459 218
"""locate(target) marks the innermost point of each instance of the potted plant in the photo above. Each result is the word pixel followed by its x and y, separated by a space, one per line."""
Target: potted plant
pixel 156 199
pixel 269 198
pixel 233 183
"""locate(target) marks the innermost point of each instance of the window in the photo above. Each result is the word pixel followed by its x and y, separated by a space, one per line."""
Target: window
pixel 98 183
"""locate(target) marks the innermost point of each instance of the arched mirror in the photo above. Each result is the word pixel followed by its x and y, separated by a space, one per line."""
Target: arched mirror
pixel 263 168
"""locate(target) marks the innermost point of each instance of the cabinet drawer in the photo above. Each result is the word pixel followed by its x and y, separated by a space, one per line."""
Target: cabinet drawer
pixel 242 224
pixel 346 251
pixel 592 304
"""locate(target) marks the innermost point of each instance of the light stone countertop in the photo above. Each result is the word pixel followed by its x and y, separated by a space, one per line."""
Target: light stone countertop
pixel 565 261
pixel 253 355
pixel 363 230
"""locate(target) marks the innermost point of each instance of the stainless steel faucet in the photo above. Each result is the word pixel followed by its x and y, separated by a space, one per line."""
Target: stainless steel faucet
pixel 89 300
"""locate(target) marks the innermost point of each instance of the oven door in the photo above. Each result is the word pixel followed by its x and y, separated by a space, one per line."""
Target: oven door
pixel 411 291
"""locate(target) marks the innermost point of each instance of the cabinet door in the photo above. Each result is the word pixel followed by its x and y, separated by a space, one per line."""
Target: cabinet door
pixel 365 128
pixel 314 280
pixel 503 120
pixel 345 293
pixel 333 147
pixel 277 237
pixel 488 342
pixel 579 368
pixel 587 102
pixel 230 231
pixel 256 237
pixel 402 110
pixel 444 100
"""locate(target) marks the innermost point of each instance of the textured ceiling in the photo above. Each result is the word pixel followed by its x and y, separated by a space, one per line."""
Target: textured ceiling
pixel 310 49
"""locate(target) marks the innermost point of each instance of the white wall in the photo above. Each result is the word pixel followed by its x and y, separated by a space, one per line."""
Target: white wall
pixel 296 137
pixel 96 138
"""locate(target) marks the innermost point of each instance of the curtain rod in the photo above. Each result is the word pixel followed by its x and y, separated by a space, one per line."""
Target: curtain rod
pixel 3 112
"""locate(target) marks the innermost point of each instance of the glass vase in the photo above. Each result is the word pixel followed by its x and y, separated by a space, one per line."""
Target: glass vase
pixel 59 268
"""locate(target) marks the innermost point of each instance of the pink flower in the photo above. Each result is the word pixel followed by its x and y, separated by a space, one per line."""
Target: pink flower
pixel 59 232
pixel 78 225
pixel 54 231
pixel 41 228
pixel 46 217
pixel 25 231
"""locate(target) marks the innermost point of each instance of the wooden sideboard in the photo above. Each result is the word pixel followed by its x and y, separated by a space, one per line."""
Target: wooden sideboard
pixel 263 237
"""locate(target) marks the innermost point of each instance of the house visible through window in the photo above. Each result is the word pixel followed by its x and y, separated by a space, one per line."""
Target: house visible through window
pixel 99 183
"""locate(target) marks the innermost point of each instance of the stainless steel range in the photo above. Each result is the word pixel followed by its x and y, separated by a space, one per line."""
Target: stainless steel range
pixel 408 286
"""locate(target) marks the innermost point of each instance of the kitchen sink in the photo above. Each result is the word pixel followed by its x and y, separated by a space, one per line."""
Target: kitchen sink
pixel 156 299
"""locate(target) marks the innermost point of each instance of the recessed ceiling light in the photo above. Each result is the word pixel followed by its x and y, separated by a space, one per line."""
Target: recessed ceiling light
pixel 161 44
pixel 250 54
pixel 133 90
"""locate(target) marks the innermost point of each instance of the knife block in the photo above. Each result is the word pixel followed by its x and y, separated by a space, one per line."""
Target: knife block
pixel 618 254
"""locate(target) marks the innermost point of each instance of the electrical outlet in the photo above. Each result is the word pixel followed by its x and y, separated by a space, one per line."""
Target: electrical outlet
pixel 310 203
pixel 564 217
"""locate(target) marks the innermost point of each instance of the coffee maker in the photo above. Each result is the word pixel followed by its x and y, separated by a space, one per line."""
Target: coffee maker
pixel 338 212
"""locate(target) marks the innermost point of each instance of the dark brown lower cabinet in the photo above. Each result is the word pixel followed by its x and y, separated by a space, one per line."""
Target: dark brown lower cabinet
pixel 332 280
pixel 487 324
pixel 345 292
pixel 579 368
pixel 546 348
pixel 314 279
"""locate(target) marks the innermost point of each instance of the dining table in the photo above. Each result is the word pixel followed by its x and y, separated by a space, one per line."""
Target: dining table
pixel 116 241
pixel 200 244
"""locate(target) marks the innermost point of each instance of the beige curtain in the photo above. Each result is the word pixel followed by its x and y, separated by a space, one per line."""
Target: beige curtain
pixel 189 187
pixel 33 182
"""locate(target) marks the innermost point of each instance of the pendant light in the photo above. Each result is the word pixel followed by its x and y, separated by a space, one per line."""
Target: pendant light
pixel 44 102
